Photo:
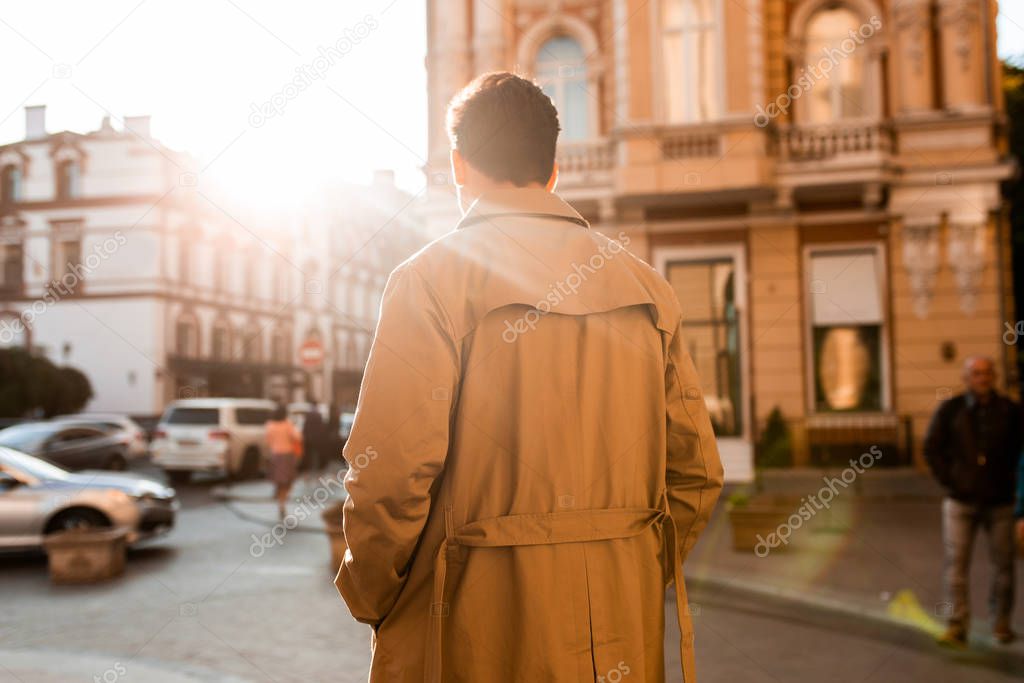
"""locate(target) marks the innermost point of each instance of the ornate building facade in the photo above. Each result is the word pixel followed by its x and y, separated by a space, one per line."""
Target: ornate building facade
pixel 818 179
pixel 120 261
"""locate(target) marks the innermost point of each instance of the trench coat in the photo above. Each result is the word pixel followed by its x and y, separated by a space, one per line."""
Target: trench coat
pixel 531 459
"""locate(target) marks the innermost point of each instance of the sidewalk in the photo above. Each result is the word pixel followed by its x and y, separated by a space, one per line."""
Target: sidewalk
pixel 310 496
pixel 876 554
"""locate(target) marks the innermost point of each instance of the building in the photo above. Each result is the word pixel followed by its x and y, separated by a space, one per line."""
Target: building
pixel 818 179
pixel 118 260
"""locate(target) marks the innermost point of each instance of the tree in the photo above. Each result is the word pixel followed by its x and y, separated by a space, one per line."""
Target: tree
pixel 31 384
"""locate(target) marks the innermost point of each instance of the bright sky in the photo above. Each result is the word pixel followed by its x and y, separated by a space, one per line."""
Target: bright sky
pixel 199 67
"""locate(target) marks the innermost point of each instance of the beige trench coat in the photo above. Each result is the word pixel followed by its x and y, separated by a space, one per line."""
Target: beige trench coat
pixel 531 458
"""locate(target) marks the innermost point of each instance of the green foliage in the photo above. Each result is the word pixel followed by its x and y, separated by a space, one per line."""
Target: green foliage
pixel 31 385
pixel 739 498
pixel 774 448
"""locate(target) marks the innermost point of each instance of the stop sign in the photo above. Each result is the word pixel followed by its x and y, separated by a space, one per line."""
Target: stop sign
pixel 311 353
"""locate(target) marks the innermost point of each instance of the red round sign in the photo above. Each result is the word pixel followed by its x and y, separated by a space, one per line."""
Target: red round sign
pixel 311 353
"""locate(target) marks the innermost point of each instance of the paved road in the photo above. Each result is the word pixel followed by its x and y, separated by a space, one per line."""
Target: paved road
pixel 200 606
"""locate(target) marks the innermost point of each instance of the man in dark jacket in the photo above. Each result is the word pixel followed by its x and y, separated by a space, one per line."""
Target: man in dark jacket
pixel 973 446
pixel 313 437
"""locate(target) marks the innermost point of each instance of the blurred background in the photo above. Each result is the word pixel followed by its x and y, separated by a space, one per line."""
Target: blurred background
pixel 200 203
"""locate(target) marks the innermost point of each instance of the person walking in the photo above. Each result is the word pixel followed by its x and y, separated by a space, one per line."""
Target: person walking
pixel 285 445
pixel 313 429
pixel 972 447
pixel 531 459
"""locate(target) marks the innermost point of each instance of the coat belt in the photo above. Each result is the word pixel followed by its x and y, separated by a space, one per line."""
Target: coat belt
pixel 569 526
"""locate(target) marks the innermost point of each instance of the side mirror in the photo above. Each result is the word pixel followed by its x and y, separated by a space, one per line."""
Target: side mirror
pixel 8 482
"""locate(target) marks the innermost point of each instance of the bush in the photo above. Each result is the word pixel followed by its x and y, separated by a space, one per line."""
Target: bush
pixel 32 385
pixel 774 448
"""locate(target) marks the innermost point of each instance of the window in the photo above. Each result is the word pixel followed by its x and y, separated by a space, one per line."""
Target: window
pixel 221 340
pixel 252 416
pixel 67 265
pixel 562 73
pixel 186 338
pixel 10 184
pixel 13 267
pixel 252 345
pixel 691 60
pixel 184 259
pixel 280 348
pixel 67 180
pixel 847 330
pixel 707 289
pixel 840 93
pixel 192 416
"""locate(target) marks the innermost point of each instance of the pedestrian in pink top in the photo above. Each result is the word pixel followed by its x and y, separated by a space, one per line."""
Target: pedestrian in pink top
pixel 285 444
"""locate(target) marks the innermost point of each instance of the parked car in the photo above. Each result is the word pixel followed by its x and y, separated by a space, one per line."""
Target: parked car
pixel 38 498
pixel 345 426
pixel 222 435
pixel 134 434
pixel 75 446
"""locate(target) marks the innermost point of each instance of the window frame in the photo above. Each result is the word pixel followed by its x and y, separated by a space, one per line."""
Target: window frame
pixel 658 60
pixel 884 344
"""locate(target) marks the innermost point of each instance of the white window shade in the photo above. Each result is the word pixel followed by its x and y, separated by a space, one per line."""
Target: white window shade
pixel 846 288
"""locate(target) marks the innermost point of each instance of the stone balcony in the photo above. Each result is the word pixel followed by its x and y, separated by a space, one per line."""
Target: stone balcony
pixel 586 166
pixel 817 159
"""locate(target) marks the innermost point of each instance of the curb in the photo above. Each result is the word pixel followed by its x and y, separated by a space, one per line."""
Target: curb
pixel 876 623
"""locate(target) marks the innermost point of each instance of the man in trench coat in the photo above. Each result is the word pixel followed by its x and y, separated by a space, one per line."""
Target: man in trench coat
pixel 531 459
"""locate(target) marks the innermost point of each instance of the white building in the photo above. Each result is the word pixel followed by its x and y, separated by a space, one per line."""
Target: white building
pixel 118 262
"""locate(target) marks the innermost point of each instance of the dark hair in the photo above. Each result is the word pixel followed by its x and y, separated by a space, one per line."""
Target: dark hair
pixel 280 412
pixel 505 127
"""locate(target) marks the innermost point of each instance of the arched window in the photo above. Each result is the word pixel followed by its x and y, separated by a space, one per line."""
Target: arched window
pixel 10 184
pixel 186 336
pixel 252 344
pixel 67 179
pixel 691 60
pixel 561 71
pixel 829 48
pixel 221 340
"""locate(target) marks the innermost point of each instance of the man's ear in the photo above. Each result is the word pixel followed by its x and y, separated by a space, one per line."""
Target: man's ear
pixel 553 180
pixel 458 168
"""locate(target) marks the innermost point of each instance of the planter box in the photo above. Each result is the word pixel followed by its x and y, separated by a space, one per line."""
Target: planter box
pixel 86 555
pixel 335 534
pixel 752 524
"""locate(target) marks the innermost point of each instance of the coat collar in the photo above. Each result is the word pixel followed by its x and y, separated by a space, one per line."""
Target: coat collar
pixel 520 201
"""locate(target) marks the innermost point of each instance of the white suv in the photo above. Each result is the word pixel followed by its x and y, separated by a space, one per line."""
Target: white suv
pixel 223 435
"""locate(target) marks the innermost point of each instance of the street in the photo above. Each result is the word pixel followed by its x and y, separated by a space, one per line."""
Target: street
pixel 200 605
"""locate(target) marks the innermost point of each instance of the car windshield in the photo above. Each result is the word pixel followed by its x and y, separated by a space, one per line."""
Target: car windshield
pixel 35 467
pixel 192 416
pixel 27 437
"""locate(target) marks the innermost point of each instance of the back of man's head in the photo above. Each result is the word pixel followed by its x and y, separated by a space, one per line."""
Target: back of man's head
pixel 505 127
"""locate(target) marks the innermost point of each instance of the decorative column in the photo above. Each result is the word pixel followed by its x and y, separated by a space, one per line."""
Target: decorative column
pixel 448 68
pixel 913 54
pixel 963 54
pixel 965 254
pixel 489 21
pixel 920 247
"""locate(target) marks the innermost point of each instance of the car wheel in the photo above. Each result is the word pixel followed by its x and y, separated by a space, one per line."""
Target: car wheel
pixel 77 518
pixel 179 477
pixel 116 462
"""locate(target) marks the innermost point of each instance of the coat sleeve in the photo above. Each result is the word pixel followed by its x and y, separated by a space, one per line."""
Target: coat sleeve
pixel 935 442
pixel 398 444
pixel 693 476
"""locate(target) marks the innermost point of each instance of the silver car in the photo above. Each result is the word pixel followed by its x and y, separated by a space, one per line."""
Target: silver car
pixel 38 498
